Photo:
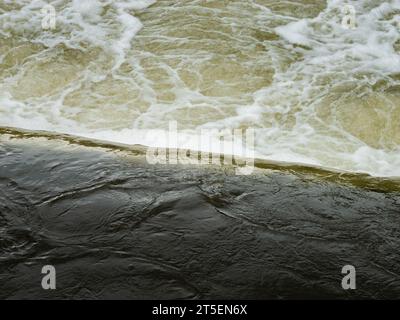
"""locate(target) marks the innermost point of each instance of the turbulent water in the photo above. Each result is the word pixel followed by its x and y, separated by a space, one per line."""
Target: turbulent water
pixel 316 92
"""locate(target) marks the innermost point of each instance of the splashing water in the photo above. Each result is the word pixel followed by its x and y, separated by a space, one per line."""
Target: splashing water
pixel 316 92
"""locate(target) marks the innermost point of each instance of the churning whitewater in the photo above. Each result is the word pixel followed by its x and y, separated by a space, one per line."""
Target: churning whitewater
pixel 315 92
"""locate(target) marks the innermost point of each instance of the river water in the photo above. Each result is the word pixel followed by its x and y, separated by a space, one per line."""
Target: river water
pixel 322 96
pixel 316 92
pixel 115 227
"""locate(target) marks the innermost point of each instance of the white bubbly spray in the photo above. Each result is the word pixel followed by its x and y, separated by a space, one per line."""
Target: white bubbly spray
pixel 97 76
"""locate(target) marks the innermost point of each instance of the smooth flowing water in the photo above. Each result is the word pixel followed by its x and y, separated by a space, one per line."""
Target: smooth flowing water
pixel 317 93
pixel 115 227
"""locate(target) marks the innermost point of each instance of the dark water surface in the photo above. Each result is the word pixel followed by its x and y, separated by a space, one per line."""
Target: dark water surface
pixel 116 227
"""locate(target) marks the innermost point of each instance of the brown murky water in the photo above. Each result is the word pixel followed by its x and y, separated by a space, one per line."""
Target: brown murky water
pixel 317 93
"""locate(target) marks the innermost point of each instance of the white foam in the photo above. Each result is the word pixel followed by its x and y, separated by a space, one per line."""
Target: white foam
pixel 327 49
pixel 78 23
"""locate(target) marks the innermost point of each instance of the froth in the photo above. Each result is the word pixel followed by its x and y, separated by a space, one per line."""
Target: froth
pixel 298 79
pixel 80 24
